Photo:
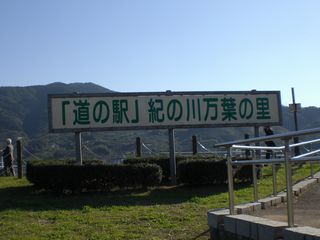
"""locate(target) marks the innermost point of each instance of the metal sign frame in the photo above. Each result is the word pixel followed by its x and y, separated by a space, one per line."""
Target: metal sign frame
pixel 168 94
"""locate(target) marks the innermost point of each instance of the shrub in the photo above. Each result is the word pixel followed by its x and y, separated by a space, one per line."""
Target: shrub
pixel 60 177
pixel 93 162
pixel 196 172
pixel 196 169
pixel 244 174
pixel 163 162
pixel 199 172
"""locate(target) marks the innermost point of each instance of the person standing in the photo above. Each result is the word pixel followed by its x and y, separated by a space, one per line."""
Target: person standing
pixel 268 131
pixel 7 155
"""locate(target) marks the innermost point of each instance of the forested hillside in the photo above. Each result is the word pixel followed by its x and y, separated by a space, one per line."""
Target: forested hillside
pixel 23 112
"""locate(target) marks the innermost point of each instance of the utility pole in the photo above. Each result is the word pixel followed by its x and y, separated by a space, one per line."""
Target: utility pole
pixel 294 107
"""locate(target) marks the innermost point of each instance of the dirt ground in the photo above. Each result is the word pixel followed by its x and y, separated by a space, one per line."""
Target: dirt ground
pixel 306 209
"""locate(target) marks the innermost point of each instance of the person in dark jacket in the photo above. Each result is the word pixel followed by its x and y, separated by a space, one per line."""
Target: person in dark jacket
pixel 268 131
pixel 7 155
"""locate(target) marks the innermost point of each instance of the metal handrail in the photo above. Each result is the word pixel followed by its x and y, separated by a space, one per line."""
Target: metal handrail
pixel 306 154
pixel 273 148
pixel 257 162
pixel 287 160
pixel 256 147
pixel 304 143
pixel 281 136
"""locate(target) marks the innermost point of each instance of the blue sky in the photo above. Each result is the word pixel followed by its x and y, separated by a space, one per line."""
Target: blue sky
pixel 156 45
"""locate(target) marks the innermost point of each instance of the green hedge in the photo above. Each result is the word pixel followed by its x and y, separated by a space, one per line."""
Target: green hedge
pixel 196 172
pixel 60 176
pixel 196 169
pixel 200 172
pixel 65 162
pixel 244 174
pixel 164 162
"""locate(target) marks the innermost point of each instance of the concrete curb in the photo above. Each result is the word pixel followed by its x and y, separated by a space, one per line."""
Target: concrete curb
pixel 248 207
pixel 301 233
pixel 270 201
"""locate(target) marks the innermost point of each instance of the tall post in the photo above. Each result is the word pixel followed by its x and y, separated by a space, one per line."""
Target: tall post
pixel 295 139
pixel 257 134
pixel 288 172
pixel 172 154
pixel 256 155
pixel 254 179
pixel 194 145
pixel 78 147
pixel 274 180
pixel 230 180
pixel 19 157
pixel 311 170
pixel 247 151
pixel 138 147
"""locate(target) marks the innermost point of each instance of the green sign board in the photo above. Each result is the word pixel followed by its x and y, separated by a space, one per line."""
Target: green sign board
pixel 125 111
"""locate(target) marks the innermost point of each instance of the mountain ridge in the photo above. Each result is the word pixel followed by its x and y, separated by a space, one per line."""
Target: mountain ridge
pixel 24 114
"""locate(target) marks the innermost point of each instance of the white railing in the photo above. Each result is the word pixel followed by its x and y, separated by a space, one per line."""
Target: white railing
pixel 286 158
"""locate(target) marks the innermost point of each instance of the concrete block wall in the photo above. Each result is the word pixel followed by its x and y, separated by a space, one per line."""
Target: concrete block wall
pixel 245 227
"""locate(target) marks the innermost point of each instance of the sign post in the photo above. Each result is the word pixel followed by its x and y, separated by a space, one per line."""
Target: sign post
pixel 172 155
pixel 77 136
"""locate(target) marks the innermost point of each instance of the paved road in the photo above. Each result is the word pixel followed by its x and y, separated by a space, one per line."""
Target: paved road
pixel 306 209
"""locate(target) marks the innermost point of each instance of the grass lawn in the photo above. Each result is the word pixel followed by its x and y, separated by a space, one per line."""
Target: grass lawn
pixel 159 213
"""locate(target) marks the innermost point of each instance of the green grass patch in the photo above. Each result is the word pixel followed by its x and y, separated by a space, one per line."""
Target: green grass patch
pixel 159 213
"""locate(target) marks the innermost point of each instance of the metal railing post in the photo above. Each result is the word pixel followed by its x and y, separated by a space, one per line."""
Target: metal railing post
pixel 311 170
pixel 274 177
pixel 311 165
pixel 288 171
pixel 230 180
pixel 254 175
pixel 274 180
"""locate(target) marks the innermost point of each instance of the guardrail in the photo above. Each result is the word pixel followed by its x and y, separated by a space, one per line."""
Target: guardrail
pixel 287 159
